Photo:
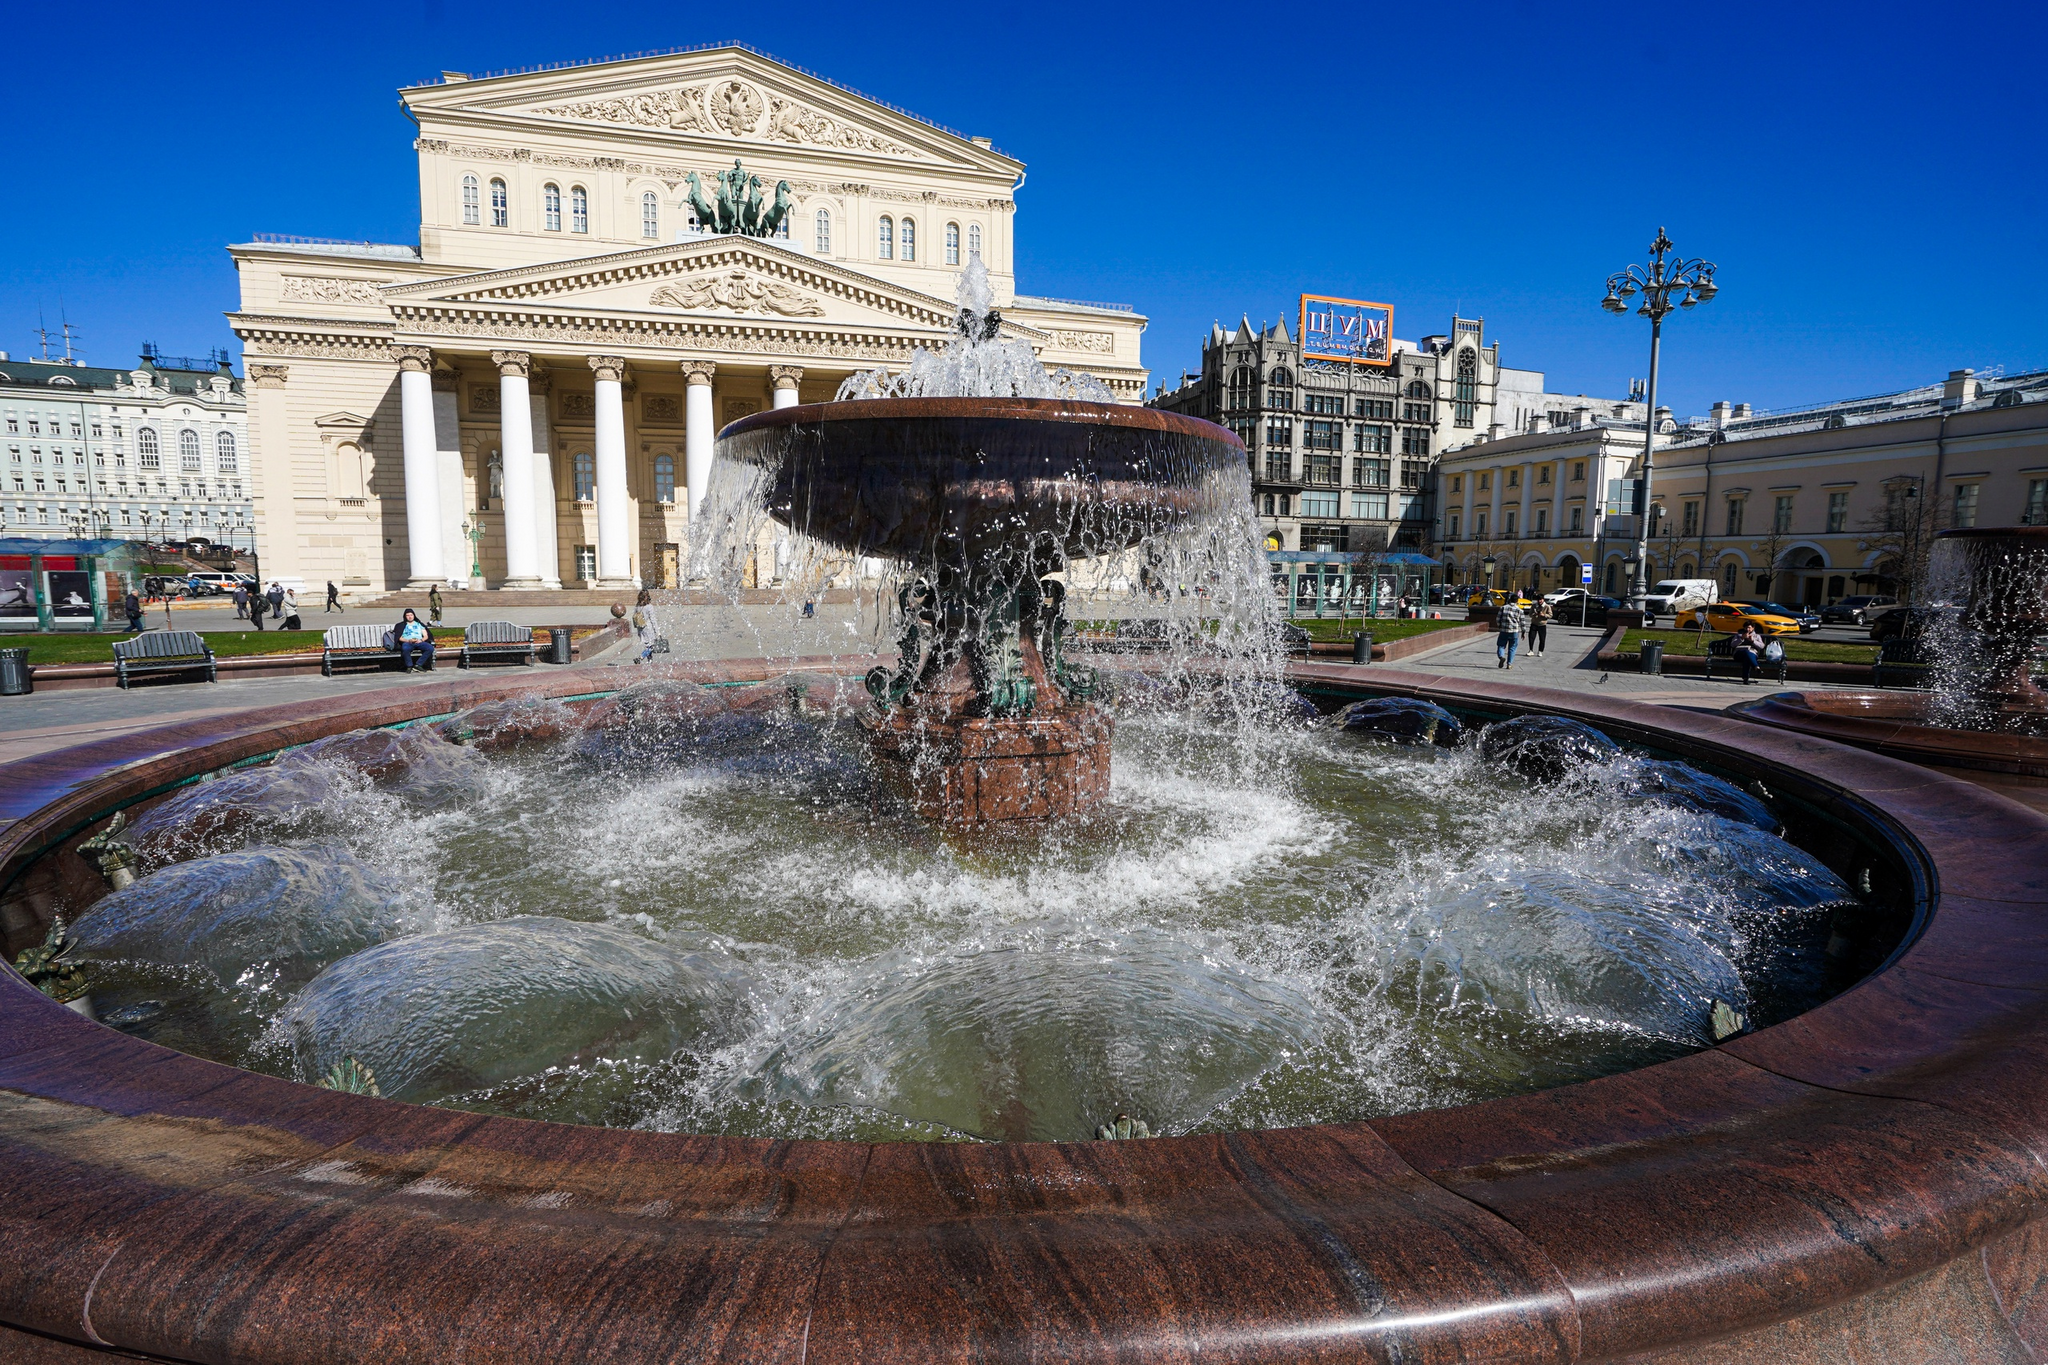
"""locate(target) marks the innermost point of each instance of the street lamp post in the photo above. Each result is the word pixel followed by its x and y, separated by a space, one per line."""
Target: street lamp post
pixel 1664 285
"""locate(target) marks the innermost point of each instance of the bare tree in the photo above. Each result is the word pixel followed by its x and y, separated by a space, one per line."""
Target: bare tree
pixel 1901 534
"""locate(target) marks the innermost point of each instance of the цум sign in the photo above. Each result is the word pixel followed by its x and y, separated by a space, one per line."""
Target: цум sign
pixel 1347 329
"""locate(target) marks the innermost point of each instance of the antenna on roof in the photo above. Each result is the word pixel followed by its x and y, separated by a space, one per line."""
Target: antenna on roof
pixel 43 333
pixel 64 317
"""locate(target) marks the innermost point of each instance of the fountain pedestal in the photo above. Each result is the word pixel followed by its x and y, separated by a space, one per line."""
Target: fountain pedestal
pixel 982 771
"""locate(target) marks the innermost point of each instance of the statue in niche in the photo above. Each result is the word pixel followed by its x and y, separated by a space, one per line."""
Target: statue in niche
pixel 739 207
pixel 494 483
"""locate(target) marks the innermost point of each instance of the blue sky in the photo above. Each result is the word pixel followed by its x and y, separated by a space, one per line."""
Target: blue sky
pixel 1869 178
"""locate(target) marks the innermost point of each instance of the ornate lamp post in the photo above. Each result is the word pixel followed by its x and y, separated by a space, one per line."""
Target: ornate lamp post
pixel 1664 285
pixel 474 533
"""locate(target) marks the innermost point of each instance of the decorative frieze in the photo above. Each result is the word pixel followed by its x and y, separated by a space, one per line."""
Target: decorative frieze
pixel 1102 343
pixel 681 109
pixel 790 121
pixel 484 397
pixel 576 405
pixel 737 291
pixel 328 289
pixel 660 407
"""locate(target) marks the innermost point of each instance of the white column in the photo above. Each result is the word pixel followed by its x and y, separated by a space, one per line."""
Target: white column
pixel 698 430
pixel 614 517
pixel 786 379
pixel 456 557
pixel 545 536
pixel 515 430
pixel 422 475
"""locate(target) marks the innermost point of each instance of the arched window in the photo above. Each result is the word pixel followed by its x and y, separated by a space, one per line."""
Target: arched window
pixel 501 205
pixel 908 239
pixel 821 241
pixel 145 448
pixel 665 478
pixel 1466 392
pixel 1418 389
pixel 885 240
pixel 586 476
pixel 974 239
pixel 1281 377
pixel 188 451
pixel 1241 380
pixel 650 215
pixel 579 209
pixel 782 228
pixel 472 202
pixel 952 244
pixel 224 452
pixel 551 207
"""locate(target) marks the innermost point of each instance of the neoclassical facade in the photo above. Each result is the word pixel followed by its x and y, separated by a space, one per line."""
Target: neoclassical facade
pixel 529 397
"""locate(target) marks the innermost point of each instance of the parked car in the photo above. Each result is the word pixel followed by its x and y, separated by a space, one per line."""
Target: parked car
pixel 1678 594
pixel 1733 616
pixel 209 584
pixel 1856 611
pixel 1494 597
pixel 1807 617
pixel 1577 607
pixel 1906 621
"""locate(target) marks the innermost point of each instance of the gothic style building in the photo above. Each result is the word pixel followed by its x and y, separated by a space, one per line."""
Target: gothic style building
pixel 529 396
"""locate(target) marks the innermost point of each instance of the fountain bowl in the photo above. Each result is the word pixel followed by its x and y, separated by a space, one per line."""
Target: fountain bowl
pixel 1863 1180
pixel 954 480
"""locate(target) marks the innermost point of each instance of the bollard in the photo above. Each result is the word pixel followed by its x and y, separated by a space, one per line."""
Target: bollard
pixel 1653 656
pixel 1361 649
pixel 559 651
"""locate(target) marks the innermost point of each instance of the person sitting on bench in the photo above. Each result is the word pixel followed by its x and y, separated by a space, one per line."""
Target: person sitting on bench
pixel 415 643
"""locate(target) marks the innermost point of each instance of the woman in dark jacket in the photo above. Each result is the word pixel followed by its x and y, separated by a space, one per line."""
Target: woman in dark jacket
pixel 415 642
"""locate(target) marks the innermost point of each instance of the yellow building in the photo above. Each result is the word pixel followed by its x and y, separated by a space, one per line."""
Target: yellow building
pixel 533 390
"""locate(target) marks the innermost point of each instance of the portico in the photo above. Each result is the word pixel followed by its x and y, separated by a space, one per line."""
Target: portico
pixel 537 387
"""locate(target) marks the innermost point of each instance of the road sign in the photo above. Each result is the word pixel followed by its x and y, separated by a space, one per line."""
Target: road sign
pixel 1585 573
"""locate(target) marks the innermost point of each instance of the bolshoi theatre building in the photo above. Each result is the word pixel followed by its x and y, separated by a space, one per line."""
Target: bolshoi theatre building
pixel 528 397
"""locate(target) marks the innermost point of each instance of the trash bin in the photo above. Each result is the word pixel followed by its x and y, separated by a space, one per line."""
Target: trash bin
pixel 558 645
pixel 15 677
pixel 1361 649
pixel 1653 656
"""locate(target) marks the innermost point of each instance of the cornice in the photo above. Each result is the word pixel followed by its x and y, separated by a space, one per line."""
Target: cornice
pixel 378 329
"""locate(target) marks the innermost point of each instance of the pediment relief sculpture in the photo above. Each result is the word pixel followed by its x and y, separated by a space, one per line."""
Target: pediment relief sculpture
pixel 736 108
pixel 681 108
pixel 740 292
pixel 793 122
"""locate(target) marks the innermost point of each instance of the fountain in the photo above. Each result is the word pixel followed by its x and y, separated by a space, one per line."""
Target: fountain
pixel 984 480
pixel 1985 711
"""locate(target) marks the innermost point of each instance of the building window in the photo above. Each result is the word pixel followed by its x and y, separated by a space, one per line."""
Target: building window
pixel 1543 521
pixel 1457 483
pixel 1279 469
pixel 551 207
pixel 1327 470
pixel 650 216
pixel 1578 520
pixel 952 244
pixel 1965 505
pixel 1727 576
pixel 1479 523
pixel 145 448
pixel 1734 519
pixel 1281 378
pixel 885 239
pixel 1415 440
pixel 1485 480
pixel 1692 519
pixel 586 479
pixel 1415 412
pixel 1578 471
pixel 1279 431
pixel 821 233
pixel 1467 390
pixel 472 202
pixel 188 451
pixel 1514 478
pixel 579 209
pixel 1507 523
pixel 1373 440
pixel 665 478
pixel 1322 435
pixel 1239 396
pixel 974 239
pixel 224 452
pixel 501 205
pixel 1371 506
pixel 1326 404
pixel 1320 504
pixel 1418 389
pixel 907 239
pixel 586 563
pixel 2037 503
pixel 1838 512
pixel 1543 474
pixel 1369 473
pixel 1375 407
pixel 1454 526
pixel 1781 514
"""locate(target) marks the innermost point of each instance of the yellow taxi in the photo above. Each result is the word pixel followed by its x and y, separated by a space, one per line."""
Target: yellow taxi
pixel 1733 616
pixel 1494 597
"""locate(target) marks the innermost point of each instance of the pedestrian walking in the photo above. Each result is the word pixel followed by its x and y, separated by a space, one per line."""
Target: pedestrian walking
pixel 258 604
pixel 132 605
pixel 1508 625
pixel 276 598
pixel 643 624
pixel 334 598
pixel 241 603
pixel 1539 626
pixel 434 603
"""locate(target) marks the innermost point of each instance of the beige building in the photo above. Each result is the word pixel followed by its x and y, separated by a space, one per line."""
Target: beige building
pixel 1804 505
pixel 529 396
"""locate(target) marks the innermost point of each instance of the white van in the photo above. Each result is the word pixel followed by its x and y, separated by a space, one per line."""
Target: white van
pixel 1674 595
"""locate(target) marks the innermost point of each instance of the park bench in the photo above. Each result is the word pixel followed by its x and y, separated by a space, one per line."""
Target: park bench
pixel 1722 651
pixel 1902 662
pixel 486 640
pixel 362 644
pixel 162 651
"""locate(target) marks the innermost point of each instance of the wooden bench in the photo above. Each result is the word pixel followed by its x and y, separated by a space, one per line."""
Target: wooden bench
pixel 362 644
pixel 1902 662
pixel 1723 652
pixel 162 651
pixel 486 640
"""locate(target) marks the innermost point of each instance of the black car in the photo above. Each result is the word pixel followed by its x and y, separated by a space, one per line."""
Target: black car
pixel 1809 618
pixel 1908 622
pixel 1856 611
pixel 1579 608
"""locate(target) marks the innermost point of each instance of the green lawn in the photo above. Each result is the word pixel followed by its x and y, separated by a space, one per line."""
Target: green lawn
pixel 1813 651
pixel 87 648
pixel 1382 630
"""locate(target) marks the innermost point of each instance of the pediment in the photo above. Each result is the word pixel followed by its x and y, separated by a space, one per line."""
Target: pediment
pixel 726 96
pixel 723 279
